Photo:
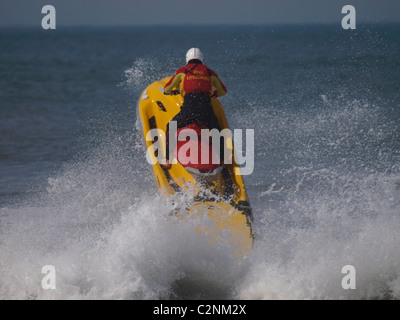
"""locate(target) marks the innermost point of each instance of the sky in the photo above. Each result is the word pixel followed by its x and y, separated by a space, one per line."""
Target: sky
pixel 203 12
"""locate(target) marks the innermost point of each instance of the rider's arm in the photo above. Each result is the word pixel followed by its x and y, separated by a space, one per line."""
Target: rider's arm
pixel 217 83
pixel 174 81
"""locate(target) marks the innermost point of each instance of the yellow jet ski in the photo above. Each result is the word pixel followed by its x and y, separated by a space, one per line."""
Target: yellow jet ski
pixel 218 193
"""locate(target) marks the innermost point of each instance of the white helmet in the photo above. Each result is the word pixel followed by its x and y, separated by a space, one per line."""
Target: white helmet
pixel 194 53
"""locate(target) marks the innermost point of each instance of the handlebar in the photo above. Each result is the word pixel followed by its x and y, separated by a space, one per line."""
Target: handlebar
pixel 173 92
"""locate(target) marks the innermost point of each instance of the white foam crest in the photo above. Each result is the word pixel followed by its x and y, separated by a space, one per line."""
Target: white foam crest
pixel 305 242
pixel 140 254
pixel 328 198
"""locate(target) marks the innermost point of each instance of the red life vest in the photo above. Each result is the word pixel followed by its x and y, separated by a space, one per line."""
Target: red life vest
pixel 197 78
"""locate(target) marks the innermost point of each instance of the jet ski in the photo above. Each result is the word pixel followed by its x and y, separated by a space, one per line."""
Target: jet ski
pixel 215 190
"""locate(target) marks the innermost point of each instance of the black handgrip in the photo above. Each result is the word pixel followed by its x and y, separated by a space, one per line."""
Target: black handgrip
pixel 173 92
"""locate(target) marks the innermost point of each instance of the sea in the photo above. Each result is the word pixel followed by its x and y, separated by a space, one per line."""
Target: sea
pixel 81 217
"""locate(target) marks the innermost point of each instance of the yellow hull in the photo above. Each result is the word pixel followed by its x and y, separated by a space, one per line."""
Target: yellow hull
pixel 222 198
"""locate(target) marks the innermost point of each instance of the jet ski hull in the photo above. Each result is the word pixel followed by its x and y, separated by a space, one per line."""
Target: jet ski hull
pixel 222 197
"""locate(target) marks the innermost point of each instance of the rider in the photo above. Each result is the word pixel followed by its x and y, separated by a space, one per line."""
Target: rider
pixel 197 86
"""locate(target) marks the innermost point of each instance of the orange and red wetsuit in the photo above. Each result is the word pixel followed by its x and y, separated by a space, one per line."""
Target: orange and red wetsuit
pixel 196 83
pixel 196 78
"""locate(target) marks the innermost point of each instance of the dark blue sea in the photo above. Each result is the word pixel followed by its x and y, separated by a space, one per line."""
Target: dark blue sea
pixel 76 191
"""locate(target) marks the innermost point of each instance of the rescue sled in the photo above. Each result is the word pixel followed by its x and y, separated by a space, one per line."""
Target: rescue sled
pixel 215 190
